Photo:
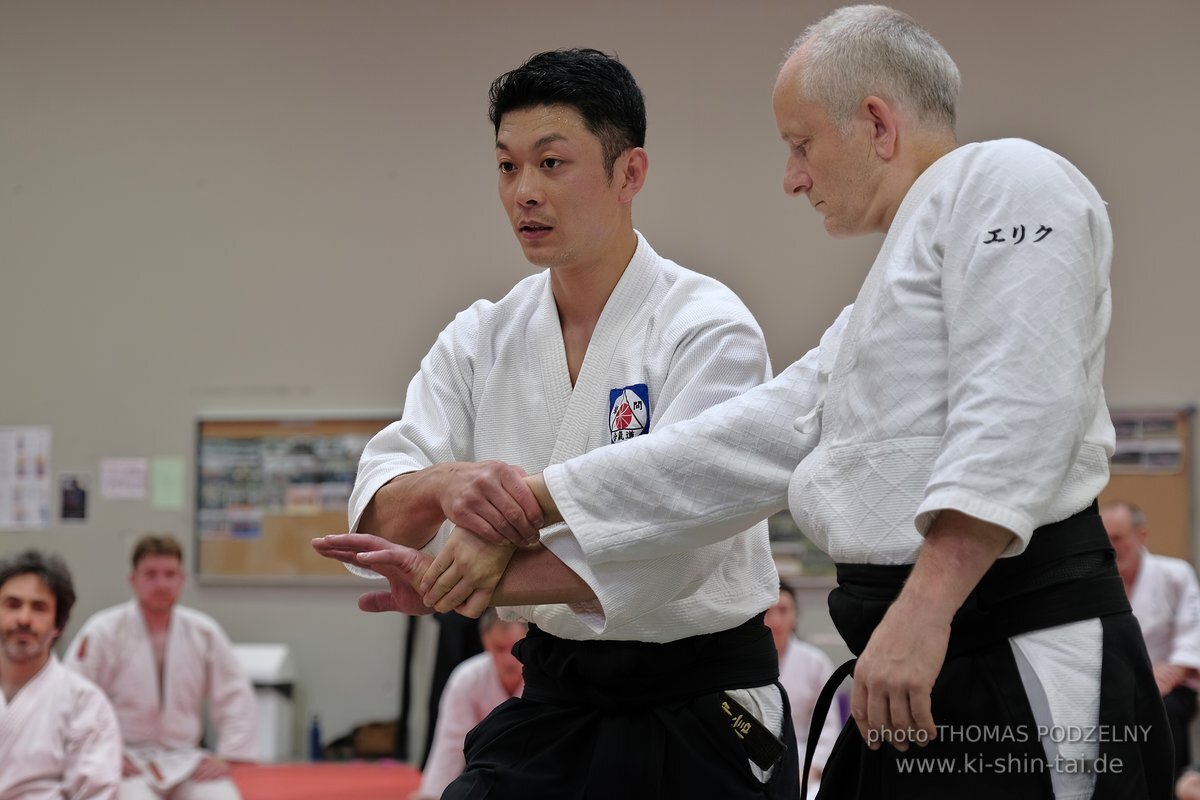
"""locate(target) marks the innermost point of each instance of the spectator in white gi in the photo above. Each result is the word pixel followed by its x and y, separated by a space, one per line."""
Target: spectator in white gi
pixel 475 687
pixel 1165 597
pixel 159 663
pixel 803 670
pixel 58 734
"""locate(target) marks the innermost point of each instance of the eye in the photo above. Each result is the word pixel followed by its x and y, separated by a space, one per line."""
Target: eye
pixel 551 163
pixel 506 167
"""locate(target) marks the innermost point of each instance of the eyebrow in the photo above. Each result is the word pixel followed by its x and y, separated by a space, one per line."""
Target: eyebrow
pixel 549 138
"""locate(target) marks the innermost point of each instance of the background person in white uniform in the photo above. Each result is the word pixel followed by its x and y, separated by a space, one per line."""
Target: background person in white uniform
pixel 58 734
pixel 1165 598
pixel 803 670
pixel 161 665
pixel 475 687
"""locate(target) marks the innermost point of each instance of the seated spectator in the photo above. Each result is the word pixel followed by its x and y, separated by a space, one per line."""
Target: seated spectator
pixel 803 670
pixel 58 734
pixel 159 662
pixel 1165 598
pixel 476 686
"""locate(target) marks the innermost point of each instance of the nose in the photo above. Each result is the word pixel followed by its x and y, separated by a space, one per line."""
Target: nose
pixel 528 190
pixel 796 179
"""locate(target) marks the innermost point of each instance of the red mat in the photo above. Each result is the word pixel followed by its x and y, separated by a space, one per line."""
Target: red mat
pixel 352 780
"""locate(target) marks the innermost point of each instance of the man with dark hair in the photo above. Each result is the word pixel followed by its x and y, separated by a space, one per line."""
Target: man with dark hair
pixel 159 663
pixel 632 691
pixel 58 734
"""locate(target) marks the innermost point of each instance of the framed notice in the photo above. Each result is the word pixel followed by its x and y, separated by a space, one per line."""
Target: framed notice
pixel 266 487
pixel 1152 468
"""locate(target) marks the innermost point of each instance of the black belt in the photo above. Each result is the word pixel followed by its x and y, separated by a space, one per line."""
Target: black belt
pixel 1066 574
pixel 606 673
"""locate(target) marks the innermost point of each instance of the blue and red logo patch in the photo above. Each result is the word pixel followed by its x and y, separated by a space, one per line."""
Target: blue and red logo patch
pixel 628 412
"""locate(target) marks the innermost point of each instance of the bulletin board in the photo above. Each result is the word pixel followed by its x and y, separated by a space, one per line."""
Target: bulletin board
pixel 1152 468
pixel 266 487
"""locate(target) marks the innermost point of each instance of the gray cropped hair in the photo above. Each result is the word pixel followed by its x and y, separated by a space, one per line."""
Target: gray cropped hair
pixel 859 51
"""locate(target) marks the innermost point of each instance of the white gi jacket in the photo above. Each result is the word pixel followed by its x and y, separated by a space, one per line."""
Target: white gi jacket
pixel 471 692
pixel 496 386
pixel 966 376
pixel 162 724
pixel 1166 601
pixel 803 671
pixel 58 739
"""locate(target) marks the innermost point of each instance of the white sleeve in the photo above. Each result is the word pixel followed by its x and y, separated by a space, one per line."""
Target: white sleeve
pixel 719 361
pixel 92 769
pixel 438 420
pixel 88 655
pixel 693 483
pixel 1025 319
pixel 231 702
pixel 1185 647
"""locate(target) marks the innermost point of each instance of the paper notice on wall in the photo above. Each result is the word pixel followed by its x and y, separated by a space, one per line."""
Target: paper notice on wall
pixel 25 492
pixel 123 478
pixel 166 480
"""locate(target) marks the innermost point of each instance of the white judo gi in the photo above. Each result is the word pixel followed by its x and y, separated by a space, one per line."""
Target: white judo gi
pixel 1166 601
pixel 496 386
pixel 162 722
pixel 472 691
pixel 966 376
pixel 803 671
pixel 58 739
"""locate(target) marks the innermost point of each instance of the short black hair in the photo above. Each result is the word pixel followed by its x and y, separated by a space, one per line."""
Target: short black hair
pixel 595 84
pixel 53 572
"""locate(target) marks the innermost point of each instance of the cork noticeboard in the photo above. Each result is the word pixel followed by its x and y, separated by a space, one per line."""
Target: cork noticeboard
pixel 1152 469
pixel 266 487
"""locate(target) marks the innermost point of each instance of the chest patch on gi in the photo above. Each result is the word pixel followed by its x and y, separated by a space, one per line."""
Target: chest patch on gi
pixel 628 412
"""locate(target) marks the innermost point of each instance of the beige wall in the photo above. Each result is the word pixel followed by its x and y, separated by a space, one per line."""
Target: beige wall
pixel 231 206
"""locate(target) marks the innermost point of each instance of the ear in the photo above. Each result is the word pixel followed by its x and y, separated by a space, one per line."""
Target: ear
pixel 632 174
pixel 884 122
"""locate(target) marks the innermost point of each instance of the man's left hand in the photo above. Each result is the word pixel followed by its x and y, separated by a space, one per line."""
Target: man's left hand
pixel 894 677
pixel 210 768
pixel 402 566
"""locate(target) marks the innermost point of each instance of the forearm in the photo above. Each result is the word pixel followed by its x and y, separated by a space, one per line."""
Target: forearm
pixel 957 551
pixel 535 576
pixel 406 510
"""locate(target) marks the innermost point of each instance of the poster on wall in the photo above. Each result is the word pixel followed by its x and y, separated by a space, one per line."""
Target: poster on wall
pixel 266 487
pixel 25 491
pixel 73 497
pixel 1149 441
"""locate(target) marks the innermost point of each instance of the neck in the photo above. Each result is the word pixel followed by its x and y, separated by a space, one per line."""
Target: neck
pixel 921 152
pixel 13 676
pixel 156 621
pixel 580 291
pixel 1129 575
pixel 580 294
